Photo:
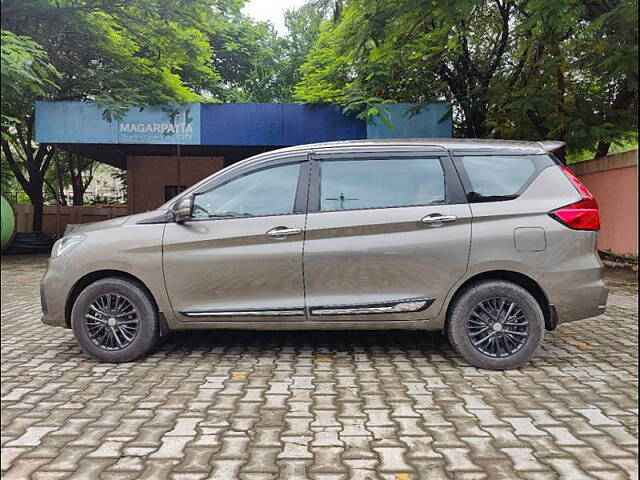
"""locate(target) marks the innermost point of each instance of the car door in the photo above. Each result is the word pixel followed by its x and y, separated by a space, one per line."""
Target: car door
pixel 387 234
pixel 239 258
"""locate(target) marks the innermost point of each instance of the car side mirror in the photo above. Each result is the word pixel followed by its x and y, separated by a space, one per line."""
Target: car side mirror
pixel 182 209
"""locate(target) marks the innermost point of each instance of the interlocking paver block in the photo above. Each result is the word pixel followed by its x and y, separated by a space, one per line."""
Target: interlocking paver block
pixel 31 437
pixel 324 405
pixel 524 460
pixel 392 459
pixel 9 454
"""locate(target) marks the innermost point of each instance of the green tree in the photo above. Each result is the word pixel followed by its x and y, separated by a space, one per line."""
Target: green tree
pixel 123 54
pixel 254 62
pixel 117 53
pixel 249 56
pixel 26 74
pixel 69 169
pixel 510 68
pixel 303 29
pixel 576 77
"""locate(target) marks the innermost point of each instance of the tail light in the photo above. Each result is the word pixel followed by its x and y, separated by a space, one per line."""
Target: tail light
pixel 582 215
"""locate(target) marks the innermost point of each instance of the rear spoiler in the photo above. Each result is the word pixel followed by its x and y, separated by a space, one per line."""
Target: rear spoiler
pixel 555 147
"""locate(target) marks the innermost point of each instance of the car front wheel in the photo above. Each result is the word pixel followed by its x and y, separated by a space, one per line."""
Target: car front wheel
pixel 496 325
pixel 115 320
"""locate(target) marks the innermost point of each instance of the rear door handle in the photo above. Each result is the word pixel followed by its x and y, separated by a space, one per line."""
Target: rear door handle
pixel 437 219
pixel 283 231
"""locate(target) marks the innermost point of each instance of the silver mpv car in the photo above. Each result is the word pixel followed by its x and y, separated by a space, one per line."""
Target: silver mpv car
pixel 491 242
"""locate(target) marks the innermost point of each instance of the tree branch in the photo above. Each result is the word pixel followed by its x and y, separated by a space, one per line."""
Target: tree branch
pixel 15 168
pixel 501 45
pixel 23 143
pixel 48 155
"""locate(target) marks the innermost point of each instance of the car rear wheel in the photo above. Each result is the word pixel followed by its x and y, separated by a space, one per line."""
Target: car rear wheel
pixel 115 320
pixel 495 325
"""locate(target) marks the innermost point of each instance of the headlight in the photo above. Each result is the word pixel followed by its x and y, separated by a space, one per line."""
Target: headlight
pixel 66 244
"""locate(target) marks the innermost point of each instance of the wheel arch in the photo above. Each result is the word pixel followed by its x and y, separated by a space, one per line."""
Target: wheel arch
pixel 92 277
pixel 520 279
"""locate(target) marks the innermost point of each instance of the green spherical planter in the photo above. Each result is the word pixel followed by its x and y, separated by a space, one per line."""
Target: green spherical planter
pixel 8 223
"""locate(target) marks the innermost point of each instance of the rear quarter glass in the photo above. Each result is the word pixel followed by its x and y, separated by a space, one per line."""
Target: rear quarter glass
pixel 490 178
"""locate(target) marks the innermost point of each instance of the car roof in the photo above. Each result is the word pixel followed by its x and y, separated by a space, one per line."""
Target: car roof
pixel 454 145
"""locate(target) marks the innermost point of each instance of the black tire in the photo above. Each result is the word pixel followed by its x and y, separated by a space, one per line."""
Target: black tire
pixel 146 336
pixel 459 331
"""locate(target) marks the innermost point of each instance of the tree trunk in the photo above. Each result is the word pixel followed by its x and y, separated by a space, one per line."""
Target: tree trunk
pixel 603 149
pixel 62 200
pixel 78 191
pixel 77 182
pixel 33 160
pixel 624 99
pixel 37 200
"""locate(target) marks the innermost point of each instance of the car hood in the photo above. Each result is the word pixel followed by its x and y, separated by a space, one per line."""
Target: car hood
pixel 108 224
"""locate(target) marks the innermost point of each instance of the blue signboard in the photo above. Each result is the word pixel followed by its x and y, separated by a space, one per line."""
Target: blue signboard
pixel 408 120
pixel 233 124
pixel 73 122
pixel 82 122
pixel 178 125
pixel 276 124
pixel 242 124
pixel 319 123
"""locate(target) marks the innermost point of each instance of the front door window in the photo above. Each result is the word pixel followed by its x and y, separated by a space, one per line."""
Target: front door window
pixel 266 192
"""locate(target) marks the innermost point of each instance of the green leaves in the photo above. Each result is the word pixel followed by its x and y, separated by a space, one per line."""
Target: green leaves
pixel 249 56
pixel 530 69
pixel 26 73
pixel 119 54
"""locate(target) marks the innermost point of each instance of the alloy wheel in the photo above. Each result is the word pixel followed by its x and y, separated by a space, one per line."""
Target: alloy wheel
pixel 498 327
pixel 112 322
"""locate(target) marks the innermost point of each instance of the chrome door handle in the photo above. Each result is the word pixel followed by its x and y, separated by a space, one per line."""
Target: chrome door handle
pixel 437 219
pixel 283 231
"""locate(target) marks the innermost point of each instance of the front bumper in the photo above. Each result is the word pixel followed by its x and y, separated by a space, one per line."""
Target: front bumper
pixel 53 294
pixel 43 299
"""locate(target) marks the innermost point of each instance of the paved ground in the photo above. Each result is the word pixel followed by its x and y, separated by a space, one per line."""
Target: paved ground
pixel 358 405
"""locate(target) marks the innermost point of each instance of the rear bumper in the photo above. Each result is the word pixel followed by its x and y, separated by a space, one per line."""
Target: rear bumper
pixel 578 295
pixel 602 305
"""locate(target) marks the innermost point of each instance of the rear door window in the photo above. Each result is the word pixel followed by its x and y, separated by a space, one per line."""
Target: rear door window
pixel 378 183
pixel 495 178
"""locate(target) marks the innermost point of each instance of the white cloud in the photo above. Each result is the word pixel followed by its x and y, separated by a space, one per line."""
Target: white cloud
pixel 271 11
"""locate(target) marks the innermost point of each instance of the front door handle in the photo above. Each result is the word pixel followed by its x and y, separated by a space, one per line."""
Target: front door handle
pixel 282 232
pixel 437 219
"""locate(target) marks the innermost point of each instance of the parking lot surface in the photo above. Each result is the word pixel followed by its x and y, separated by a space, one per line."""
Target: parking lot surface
pixel 316 405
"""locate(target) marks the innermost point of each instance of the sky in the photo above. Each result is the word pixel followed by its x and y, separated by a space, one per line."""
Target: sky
pixel 271 10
